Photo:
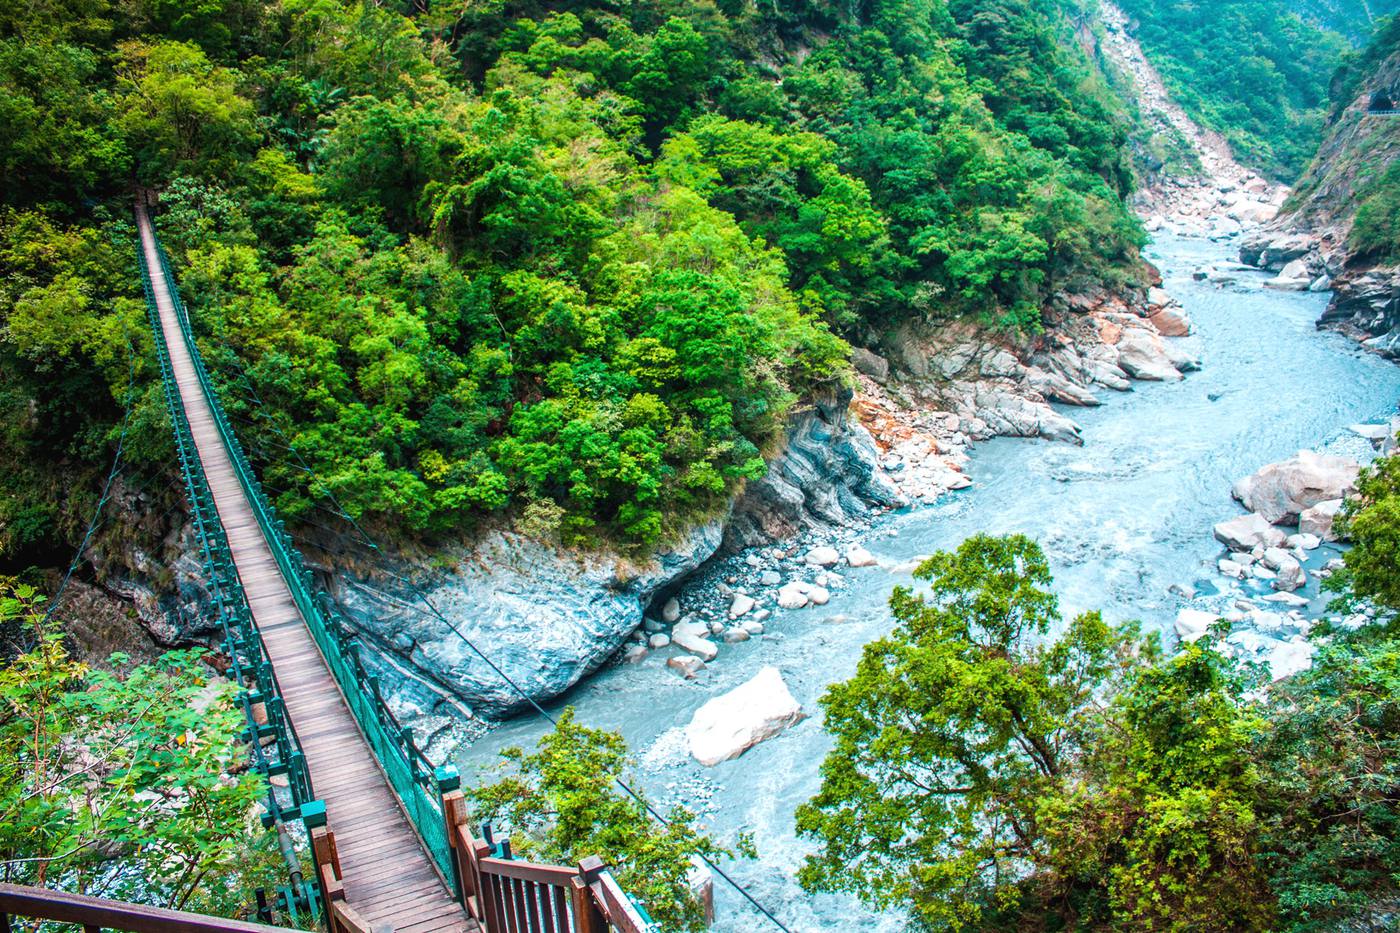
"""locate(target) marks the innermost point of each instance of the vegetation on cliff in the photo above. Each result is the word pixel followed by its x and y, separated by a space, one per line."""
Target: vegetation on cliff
pixel 1251 70
pixel 988 777
pixel 573 259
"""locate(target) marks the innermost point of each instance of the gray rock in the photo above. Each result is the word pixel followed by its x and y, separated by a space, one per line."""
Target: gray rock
pixel 828 474
pixel 688 666
pixel 545 618
pixel 1245 532
pixel 1282 491
pixel 822 556
pixel 671 611
pixel 872 365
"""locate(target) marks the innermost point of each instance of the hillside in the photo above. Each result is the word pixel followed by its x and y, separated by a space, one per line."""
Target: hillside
pixel 1251 70
pixel 1343 219
pixel 547 260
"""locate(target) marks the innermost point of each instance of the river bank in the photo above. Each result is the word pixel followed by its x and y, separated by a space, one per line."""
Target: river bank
pixel 1124 519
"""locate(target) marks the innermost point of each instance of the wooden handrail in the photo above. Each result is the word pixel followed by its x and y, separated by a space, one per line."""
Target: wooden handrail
pixel 99 913
pixel 555 875
pixel 509 896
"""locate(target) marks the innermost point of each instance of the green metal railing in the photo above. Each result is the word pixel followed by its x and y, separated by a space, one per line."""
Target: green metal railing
pixel 418 784
pixel 249 665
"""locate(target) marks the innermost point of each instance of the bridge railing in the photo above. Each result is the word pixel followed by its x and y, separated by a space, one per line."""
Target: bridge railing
pixel 96 913
pixel 418 785
pixel 264 712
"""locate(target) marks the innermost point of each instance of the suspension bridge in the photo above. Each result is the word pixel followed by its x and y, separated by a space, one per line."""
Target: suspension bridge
pixel 388 836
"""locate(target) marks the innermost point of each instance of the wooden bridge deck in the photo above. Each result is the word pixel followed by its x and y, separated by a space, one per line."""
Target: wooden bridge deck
pixel 389 878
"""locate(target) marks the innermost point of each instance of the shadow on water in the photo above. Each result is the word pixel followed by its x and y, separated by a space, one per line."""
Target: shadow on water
pixel 1122 518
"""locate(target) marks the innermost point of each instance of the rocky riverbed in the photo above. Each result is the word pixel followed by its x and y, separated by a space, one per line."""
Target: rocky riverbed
pixel 1127 520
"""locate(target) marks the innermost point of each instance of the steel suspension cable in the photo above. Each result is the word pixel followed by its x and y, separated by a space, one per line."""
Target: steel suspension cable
pixel 107 484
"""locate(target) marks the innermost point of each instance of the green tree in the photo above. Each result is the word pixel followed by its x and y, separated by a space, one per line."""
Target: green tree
pixel 125 785
pixel 1371 520
pixel 562 804
pixel 952 733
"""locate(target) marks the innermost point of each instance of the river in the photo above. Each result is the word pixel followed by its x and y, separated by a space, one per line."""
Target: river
pixel 1122 518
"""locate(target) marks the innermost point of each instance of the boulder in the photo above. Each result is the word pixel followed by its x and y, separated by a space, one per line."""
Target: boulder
pixel 659 640
pixel 1143 355
pixel 730 724
pixel 818 595
pixel 741 605
pixel 1191 624
pixel 793 596
pixel 687 665
pixel 671 610
pixel 872 365
pixel 822 557
pixel 1231 568
pixel 857 556
pixel 1290 575
pixel 770 578
pixel 1318 519
pixel 1304 541
pixel 1171 321
pixel 1289 658
pixel 1281 492
pixel 1244 532
pixel 548 617
pixel 692 637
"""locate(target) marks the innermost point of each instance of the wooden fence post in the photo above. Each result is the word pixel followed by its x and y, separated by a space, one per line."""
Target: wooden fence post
pixel 454 814
pixel 588 917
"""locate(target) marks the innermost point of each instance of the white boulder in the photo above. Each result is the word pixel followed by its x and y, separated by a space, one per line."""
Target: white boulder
pixel 1282 491
pixel 1191 624
pixel 691 636
pixel 793 596
pixel 858 556
pixel 1318 519
pixel 741 605
pixel 730 724
pixel 1244 532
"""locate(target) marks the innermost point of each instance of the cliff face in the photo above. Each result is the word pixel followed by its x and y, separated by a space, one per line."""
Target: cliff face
pixel 1314 243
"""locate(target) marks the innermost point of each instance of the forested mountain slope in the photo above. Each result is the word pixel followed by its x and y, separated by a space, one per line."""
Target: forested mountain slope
pixel 569 261
pixel 1344 216
pixel 1355 20
pixel 1251 70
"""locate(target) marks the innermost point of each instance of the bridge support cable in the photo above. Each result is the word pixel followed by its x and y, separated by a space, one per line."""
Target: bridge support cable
pixel 426 600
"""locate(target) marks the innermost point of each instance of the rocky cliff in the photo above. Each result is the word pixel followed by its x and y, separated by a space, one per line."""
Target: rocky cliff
pixel 1313 241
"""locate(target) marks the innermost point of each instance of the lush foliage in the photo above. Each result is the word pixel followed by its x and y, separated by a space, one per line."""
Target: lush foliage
pixel 991 774
pixel 562 804
pixel 1249 69
pixel 125 785
pixel 572 260
pixel 1375 231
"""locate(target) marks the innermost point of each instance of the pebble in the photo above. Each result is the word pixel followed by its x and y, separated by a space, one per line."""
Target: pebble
pixel 770 578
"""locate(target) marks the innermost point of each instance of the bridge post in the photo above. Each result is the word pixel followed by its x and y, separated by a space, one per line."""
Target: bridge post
pixel 588 917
